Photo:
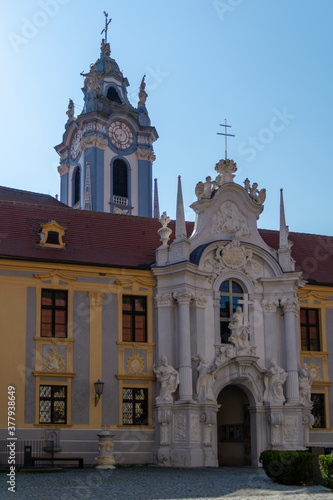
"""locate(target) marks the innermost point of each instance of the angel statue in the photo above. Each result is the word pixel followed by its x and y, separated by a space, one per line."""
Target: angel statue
pixel 204 189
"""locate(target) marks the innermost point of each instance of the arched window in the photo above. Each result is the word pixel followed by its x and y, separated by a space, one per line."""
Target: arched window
pixel 120 178
pixel 113 95
pixel 230 292
pixel 77 185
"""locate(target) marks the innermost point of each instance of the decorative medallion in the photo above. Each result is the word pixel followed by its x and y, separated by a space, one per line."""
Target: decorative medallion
pixel 314 371
pixel 233 256
pixel 54 362
pixel 135 364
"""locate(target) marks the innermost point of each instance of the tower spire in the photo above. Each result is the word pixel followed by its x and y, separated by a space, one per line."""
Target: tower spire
pixel 156 203
pixel 180 216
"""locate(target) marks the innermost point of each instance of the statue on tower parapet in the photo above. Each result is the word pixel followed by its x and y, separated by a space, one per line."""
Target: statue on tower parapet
pixel 142 93
pixel 105 48
pixel 70 111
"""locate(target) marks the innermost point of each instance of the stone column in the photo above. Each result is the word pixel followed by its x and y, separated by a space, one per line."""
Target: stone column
pixel 184 298
pixel 269 314
pixel 290 308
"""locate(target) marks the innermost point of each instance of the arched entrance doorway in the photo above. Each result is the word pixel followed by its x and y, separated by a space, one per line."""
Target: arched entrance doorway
pixel 233 427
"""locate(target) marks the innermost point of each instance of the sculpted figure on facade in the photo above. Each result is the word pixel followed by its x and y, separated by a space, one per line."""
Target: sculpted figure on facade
pixel 206 379
pixel 274 379
pixel 305 383
pixel 70 111
pixel 256 195
pixel 168 377
pixel 239 332
pixel 142 93
pixel 229 219
pixel 205 189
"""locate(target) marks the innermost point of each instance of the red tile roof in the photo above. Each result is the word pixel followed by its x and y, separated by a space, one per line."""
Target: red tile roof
pixel 313 254
pixel 19 196
pixel 110 240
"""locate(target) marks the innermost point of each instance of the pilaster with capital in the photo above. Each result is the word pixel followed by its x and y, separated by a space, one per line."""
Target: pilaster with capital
pixel 163 319
pixel 183 298
pixel 269 307
pixel 290 308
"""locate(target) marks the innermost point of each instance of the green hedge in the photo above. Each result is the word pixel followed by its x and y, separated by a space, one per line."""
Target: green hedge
pixel 326 469
pixel 289 467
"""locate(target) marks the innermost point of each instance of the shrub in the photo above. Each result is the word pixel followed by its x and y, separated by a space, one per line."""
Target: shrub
pixel 326 469
pixel 289 467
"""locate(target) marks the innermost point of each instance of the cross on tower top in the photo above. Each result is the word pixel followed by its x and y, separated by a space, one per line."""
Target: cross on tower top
pixel 225 134
pixel 105 29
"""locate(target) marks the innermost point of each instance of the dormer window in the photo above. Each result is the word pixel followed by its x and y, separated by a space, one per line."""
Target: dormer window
pixel 113 95
pixel 51 235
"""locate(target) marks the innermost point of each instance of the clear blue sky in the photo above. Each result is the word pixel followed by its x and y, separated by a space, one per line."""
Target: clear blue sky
pixel 265 65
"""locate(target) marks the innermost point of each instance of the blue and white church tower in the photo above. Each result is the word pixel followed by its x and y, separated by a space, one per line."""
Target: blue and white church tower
pixel 106 153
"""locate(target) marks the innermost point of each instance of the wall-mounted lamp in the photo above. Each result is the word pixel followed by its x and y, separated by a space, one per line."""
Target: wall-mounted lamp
pixel 98 390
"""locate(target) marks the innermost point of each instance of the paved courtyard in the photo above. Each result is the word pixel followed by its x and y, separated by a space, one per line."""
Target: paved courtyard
pixel 150 483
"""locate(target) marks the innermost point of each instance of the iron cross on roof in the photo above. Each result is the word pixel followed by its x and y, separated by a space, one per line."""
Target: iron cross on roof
pixel 225 134
pixel 105 29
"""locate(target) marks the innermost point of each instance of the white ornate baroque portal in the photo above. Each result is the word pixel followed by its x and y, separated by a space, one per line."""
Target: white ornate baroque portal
pixel 261 356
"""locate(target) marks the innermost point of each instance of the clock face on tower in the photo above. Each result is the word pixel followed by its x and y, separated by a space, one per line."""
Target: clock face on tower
pixel 120 135
pixel 75 147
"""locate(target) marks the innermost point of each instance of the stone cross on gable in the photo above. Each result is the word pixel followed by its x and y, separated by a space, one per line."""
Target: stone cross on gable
pixel 245 302
pixel 225 135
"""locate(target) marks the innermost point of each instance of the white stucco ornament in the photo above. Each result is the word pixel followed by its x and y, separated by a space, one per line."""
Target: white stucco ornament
pixel 234 256
pixel 229 219
pixel 226 170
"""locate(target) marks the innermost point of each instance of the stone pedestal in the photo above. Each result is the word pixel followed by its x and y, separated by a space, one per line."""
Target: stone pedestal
pixel 105 458
pixel 285 426
pixel 186 434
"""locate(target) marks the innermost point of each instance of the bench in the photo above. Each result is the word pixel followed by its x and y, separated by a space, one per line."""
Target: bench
pixel 64 459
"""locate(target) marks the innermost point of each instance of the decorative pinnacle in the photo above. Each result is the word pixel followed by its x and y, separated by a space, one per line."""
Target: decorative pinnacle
pixel 164 232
